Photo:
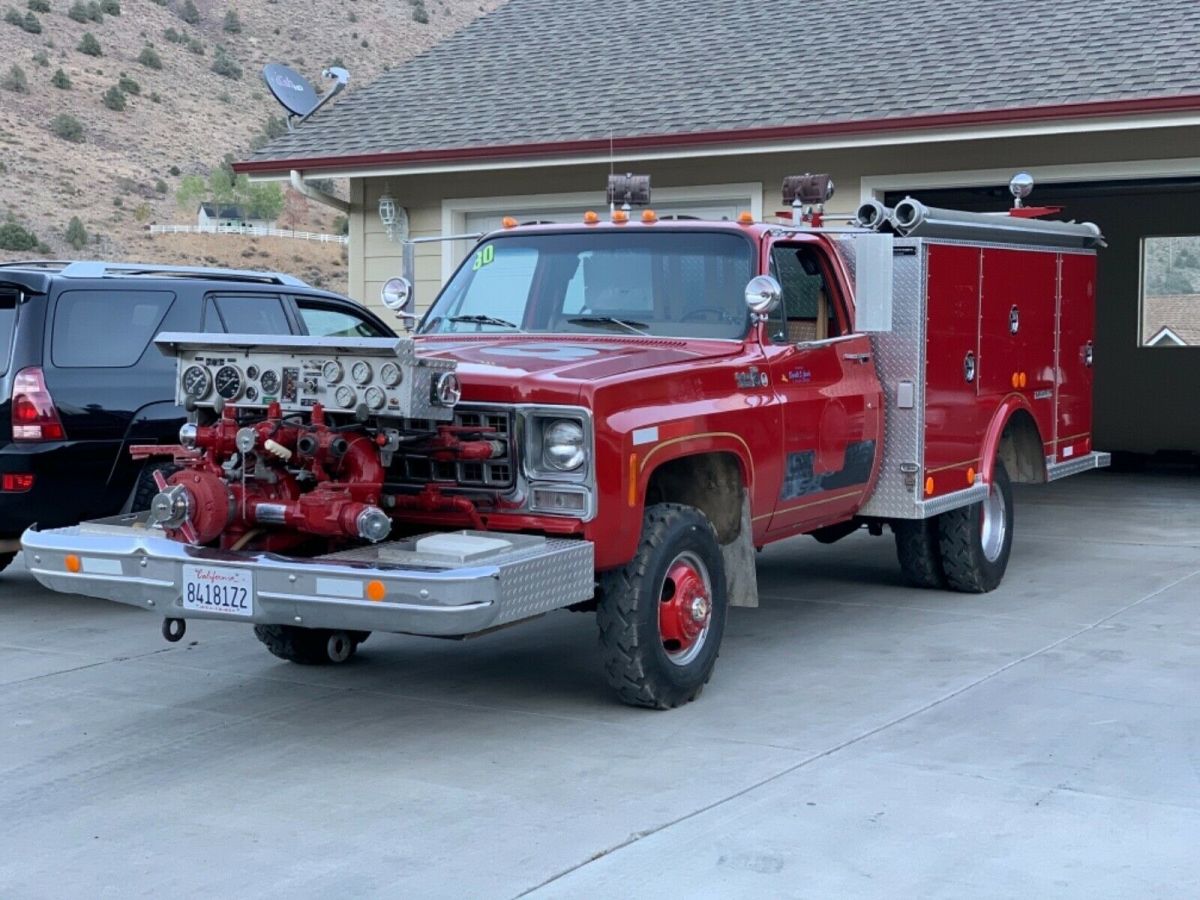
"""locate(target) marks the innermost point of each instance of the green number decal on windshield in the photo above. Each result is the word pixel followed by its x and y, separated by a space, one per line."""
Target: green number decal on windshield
pixel 484 257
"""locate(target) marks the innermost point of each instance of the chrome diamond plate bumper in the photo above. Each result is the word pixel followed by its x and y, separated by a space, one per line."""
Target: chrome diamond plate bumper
pixel 120 559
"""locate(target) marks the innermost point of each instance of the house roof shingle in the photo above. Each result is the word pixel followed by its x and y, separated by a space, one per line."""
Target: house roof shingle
pixel 555 72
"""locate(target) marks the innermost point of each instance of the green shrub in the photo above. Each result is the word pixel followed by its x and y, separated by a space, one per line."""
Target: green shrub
pixel 67 127
pixel 154 98
pixel 149 58
pixel 160 186
pixel 114 99
pixel 232 24
pixel 42 6
pixel 420 14
pixel 15 81
pixel 189 13
pixel 128 85
pixel 86 12
pixel 28 22
pixel 110 7
pixel 224 64
pixel 42 58
pixel 60 80
pixel 118 202
pixel 174 36
pixel 194 45
pixel 89 45
pixel 76 235
pixel 173 171
pixel 14 237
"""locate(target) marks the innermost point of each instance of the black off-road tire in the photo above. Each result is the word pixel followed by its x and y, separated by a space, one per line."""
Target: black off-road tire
pixel 919 552
pixel 6 559
pixel 635 659
pixel 145 490
pixel 305 646
pixel 961 531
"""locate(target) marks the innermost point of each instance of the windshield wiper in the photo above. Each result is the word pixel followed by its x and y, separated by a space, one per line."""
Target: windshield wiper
pixel 635 327
pixel 484 320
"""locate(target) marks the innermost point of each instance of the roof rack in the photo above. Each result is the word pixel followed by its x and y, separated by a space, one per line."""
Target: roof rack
pixel 109 270
pixel 36 264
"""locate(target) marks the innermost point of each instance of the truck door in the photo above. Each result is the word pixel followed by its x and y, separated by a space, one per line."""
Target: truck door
pixel 1077 321
pixel 824 378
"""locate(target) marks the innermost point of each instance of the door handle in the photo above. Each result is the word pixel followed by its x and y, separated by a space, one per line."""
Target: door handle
pixel 857 357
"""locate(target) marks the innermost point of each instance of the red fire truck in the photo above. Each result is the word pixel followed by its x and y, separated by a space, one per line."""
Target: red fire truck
pixel 613 416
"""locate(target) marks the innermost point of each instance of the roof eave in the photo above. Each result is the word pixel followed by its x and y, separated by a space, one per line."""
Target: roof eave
pixel 749 136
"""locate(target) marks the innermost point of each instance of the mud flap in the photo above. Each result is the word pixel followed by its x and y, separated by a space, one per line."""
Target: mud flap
pixel 741 574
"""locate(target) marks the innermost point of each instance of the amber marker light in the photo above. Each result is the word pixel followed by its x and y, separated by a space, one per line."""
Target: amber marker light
pixel 929 486
pixel 1016 380
pixel 970 476
pixel 591 218
pixel 1023 379
pixel 72 563
pixel 620 217
pixel 633 479
pixel 509 222
pixel 746 218
pixel 376 591
pixel 649 216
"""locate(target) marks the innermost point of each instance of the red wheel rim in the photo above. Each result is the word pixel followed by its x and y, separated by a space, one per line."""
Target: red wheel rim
pixel 684 608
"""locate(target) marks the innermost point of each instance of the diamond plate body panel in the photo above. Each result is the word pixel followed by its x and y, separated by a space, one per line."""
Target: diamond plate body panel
pixel 900 357
pixel 562 575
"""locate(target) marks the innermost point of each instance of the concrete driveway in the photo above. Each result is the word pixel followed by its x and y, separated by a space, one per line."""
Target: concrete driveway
pixel 859 739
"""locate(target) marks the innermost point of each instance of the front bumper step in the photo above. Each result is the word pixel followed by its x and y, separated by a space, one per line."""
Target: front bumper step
pixel 445 584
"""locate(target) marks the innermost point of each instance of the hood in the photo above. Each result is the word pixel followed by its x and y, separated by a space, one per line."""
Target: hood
pixel 559 368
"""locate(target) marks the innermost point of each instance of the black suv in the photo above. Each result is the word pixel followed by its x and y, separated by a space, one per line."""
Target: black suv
pixel 81 380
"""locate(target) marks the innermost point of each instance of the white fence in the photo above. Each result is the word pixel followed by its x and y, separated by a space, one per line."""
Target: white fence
pixel 251 231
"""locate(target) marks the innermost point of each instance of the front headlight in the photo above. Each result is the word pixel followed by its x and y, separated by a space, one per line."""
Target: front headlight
pixel 563 445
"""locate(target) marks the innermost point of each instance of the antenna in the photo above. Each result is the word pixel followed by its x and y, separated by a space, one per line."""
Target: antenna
pixel 612 162
pixel 296 94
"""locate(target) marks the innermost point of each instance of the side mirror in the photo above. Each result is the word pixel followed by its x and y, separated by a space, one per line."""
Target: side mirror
pixel 763 294
pixel 396 295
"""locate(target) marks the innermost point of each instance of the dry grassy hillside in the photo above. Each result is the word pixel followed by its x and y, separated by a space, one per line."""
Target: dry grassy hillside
pixel 119 178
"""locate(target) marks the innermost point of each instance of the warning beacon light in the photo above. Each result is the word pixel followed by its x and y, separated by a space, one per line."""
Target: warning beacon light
pixel 628 190
pixel 807 190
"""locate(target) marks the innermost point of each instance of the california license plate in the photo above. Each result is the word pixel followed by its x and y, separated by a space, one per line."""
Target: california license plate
pixel 216 589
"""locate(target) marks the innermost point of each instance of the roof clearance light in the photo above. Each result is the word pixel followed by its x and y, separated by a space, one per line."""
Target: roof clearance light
pixel 591 218
pixel 649 216
pixel 746 218
pixel 620 217
pixel 509 222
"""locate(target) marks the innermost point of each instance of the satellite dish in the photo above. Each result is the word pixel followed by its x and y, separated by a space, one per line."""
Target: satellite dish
pixel 291 89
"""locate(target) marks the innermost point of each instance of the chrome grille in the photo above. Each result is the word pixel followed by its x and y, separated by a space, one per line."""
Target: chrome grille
pixel 493 473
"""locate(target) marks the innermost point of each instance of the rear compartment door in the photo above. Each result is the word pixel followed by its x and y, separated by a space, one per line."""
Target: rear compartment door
pixel 1077 328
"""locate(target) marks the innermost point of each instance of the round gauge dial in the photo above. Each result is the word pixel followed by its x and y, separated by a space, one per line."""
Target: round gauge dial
pixel 361 372
pixel 391 375
pixel 252 372
pixel 345 396
pixel 197 382
pixel 270 382
pixel 375 398
pixel 229 382
pixel 332 371
pixel 251 393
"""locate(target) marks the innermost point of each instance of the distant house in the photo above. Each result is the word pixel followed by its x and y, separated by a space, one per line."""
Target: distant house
pixel 212 215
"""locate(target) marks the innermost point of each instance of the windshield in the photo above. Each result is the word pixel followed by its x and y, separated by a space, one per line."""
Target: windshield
pixel 670 284
pixel 8 321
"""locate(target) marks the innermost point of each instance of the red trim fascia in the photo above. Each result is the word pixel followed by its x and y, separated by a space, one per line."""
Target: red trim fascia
pixel 1105 108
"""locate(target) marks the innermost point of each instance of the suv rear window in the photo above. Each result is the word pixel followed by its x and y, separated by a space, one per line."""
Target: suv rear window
pixel 262 314
pixel 8 324
pixel 325 322
pixel 106 329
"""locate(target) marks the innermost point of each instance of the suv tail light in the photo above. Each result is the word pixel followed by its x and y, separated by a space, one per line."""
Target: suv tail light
pixel 34 417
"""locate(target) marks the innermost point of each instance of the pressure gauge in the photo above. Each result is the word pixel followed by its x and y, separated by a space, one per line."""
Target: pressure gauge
pixel 197 382
pixel 270 383
pixel 252 372
pixel 375 398
pixel 332 371
pixel 229 382
pixel 361 372
pixel 345 397
pixel 391 375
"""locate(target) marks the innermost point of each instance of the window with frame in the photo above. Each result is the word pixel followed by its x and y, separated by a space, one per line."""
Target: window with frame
pixel 1170 291
pixel 106 329
pixel 249 314
pixel 807 311
pixel 323 321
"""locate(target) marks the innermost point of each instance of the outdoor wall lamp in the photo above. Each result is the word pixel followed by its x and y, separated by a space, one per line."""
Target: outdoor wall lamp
pixel 394 218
